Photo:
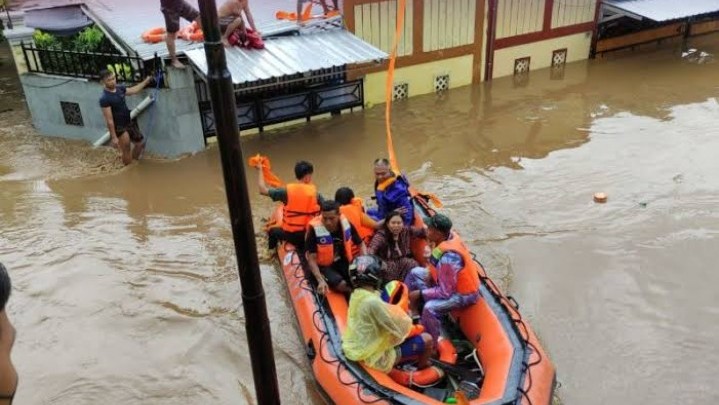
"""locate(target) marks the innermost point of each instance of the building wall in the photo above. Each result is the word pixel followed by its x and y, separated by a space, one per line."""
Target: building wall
pixel 176 128
pixel 438 38
pixel 420 78
pixel 519 17
pixel 448 24
pixel 540 53
pixel 375 24
pixel 572 12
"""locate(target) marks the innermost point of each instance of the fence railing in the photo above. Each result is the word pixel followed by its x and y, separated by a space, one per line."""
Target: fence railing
pixel 128 69
pixel 262 110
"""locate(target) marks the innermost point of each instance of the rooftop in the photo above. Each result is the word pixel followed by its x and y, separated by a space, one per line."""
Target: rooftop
pixel 663 10
pixel 128 19
pixel 289 55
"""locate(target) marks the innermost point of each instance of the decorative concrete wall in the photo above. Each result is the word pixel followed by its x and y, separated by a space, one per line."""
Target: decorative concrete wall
pixel 541 53
pixel 69 108
pixel 420 79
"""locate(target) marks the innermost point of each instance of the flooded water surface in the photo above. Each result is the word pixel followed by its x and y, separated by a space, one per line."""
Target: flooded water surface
pixel 125 279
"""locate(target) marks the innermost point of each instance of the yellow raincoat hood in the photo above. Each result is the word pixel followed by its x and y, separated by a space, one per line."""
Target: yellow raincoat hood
pixel 374 328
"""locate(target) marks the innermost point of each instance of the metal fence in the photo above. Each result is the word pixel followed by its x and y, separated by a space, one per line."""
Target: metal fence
pixel 260 110
pixel 128 69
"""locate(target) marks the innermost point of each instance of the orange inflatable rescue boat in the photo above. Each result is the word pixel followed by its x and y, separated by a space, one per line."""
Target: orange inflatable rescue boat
pixel 494 356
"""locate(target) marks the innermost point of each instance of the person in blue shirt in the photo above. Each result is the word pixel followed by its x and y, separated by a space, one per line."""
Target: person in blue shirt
pixel 392 193
pixel 122 127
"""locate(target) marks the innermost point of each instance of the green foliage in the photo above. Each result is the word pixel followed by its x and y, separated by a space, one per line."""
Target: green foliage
pixel 89 40
pixel 44 40
pixel 123 71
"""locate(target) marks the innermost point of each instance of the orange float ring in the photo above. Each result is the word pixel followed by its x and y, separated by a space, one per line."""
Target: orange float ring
pixel 427 376
pixel 154 35
pixel 191 33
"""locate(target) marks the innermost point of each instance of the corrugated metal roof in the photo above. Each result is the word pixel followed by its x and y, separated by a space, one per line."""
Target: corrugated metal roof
pixel 663 10
pixel 128 19
pixel 286 56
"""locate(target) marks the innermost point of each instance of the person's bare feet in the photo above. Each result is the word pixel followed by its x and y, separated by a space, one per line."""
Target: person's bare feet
pixel 177 64
pixel 225 42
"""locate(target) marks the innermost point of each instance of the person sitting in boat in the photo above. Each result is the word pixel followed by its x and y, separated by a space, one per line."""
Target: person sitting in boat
pixel 451 281
pixel 330 245
pixel 301 204
pixel 392 193
pixel 392 245
pixel 230 16
pixel 351 207
pixel 378 333
pixel 8 374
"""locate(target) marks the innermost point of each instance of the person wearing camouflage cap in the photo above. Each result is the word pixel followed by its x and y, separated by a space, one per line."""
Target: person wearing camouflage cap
pixel 450 281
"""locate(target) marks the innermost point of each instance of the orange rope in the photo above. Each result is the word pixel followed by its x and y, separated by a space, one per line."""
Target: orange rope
pixel 263 162
pixel 401 5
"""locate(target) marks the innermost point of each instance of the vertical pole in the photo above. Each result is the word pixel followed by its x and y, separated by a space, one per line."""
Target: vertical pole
pixel 257 325
pixel 491 36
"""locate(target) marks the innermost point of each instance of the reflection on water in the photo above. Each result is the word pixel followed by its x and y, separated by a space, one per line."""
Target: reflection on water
pixel 126 285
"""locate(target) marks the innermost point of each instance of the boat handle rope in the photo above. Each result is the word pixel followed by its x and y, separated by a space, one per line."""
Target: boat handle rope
pixel 511 303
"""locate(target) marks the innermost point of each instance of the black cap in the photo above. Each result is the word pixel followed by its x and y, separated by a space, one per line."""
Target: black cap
pixel 439 222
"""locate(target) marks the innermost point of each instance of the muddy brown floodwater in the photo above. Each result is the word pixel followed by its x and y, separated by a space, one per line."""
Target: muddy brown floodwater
pixel 125 280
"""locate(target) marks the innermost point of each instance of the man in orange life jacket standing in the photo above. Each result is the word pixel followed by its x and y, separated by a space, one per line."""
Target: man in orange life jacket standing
pixel 330 244
pixel 451 281
pixel 301 204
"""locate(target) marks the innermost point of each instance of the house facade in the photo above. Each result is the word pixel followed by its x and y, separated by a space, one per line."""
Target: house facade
pixel 453 43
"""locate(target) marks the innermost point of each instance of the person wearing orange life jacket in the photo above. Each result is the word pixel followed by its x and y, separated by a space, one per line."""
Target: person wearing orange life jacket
pixel 301 204
pixel 330 249
pixel 351 207
pixel 391 192
pixel 451 280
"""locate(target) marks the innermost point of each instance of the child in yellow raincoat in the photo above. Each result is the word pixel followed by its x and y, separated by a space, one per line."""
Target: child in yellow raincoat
pixel 377 332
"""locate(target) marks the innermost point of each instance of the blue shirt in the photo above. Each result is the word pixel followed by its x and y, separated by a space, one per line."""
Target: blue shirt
pixel 116 101
pixel 395 195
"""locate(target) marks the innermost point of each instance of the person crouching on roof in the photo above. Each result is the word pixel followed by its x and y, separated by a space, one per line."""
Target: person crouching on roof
pixel 377 332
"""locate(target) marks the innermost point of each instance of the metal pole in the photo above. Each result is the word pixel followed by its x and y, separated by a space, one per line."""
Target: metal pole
pixel 257 325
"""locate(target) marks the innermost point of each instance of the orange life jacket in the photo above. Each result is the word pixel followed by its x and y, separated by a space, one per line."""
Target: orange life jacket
pixel 300 208
pixel 354 211
pixel 325 245
pixel 468 277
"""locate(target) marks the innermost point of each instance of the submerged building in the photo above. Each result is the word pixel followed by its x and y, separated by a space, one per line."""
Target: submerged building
pixel 330 66
pixel 301 73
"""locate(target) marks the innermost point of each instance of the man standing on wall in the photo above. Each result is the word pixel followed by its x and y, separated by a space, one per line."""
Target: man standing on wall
pixel 173 10
pixel 122 127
